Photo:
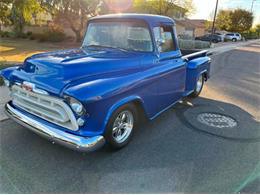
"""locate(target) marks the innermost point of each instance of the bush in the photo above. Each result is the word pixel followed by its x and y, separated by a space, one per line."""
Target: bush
pixel 250 35
pixel 29 34
pixel 5 34
pixel 21 35
pixel 53 34
pixel 192 44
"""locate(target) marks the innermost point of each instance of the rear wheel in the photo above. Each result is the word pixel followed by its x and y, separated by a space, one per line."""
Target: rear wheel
pixel 198 86
pixel 234 39
pixel 121 126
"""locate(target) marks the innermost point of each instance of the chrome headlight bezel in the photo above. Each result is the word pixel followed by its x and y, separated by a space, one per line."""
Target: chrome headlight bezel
pixel 75 105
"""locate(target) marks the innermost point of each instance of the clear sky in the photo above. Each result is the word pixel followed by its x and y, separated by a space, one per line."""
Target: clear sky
pixel 205 8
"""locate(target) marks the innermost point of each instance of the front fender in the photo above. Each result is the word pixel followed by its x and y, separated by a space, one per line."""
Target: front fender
pixel 101 97
pixel 120 103
pixel 7 72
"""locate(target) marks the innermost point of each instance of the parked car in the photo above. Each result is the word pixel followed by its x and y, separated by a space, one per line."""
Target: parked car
pixel 222 36
pixel 214 38
pixel 128 66
pixel 233 37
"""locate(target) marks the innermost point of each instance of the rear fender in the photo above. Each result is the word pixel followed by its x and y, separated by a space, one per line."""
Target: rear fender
pixel 195 68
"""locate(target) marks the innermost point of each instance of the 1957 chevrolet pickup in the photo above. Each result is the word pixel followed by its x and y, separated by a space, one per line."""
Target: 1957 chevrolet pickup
pixel 128 66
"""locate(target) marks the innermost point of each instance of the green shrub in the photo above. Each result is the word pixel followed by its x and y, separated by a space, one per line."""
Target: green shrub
pixel 29 33
pixel 21 35
pixel 51 35
pixel 5 34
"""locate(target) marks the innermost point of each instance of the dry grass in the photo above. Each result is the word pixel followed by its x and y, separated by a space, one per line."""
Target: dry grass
pixel 17 50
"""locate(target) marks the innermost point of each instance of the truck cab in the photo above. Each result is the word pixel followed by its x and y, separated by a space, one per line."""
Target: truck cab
pixel 129 66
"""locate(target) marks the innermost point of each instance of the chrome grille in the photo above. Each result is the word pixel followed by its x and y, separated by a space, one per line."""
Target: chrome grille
pixel 44 106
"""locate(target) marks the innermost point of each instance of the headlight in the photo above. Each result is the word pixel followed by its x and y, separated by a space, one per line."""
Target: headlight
pixel 75 105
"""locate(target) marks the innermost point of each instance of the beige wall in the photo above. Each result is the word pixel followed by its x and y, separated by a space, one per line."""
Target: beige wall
pixel 180 29
pixel 199 32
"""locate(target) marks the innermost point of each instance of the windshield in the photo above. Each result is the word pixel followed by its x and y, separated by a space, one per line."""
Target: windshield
pixel 134 36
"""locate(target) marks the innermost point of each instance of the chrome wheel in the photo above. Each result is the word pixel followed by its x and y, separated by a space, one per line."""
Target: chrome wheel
pixel 199 84
pixel 123 126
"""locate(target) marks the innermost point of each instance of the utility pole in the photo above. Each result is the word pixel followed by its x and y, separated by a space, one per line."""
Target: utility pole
pixel 214 20
pixel 252 5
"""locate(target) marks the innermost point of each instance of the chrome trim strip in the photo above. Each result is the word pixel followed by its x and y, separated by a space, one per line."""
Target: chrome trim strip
pixel 75 142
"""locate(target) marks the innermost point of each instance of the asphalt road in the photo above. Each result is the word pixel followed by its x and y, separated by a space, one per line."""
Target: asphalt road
pixel 172 154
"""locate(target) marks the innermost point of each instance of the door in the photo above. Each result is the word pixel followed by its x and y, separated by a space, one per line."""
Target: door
pixel 172 68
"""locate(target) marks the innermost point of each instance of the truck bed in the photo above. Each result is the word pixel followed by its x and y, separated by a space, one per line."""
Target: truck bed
pixel 190 54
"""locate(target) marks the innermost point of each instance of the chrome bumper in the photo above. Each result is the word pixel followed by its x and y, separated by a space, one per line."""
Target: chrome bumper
pixel 83 144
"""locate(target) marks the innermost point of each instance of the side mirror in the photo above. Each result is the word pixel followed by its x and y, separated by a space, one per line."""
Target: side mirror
pixel 159 43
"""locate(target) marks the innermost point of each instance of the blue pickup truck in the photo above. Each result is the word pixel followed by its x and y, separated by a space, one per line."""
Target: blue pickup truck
pixel 128 67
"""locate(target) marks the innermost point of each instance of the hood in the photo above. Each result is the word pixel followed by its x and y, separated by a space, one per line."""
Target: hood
pixel 55 71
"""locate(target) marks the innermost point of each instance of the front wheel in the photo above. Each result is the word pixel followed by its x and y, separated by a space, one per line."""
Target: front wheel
pixel 198 86
pixel 121 126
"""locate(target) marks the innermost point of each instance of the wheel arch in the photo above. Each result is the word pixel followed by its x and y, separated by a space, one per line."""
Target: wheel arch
pixel 136 100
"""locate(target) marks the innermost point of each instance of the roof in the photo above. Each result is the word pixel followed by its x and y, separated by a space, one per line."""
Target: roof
pixel 186 23
pixel 199 23
pixel 149 18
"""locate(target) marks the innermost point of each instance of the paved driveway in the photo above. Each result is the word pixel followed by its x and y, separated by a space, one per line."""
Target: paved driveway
pixel 172 154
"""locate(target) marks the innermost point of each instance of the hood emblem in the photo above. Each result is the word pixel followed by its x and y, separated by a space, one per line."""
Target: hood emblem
pixel 28 86
pixel 31 87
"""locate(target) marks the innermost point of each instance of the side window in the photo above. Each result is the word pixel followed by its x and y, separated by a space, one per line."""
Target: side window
pixel 164 34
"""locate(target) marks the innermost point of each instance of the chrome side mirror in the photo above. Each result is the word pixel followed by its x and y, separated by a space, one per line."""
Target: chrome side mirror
pixel 159 43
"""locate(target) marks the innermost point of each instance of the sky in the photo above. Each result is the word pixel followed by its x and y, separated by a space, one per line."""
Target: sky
pixel 205 8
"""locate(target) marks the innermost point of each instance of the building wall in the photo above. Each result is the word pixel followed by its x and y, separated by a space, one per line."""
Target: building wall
pixel 180 29
pixel 199 32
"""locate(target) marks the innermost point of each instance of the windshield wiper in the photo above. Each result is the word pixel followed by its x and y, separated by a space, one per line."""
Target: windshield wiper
pixel 104 46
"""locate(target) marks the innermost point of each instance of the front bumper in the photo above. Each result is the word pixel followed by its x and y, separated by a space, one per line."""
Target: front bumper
pixel 75 142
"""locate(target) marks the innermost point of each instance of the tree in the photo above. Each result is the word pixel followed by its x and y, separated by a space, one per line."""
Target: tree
pixel 18 12
pixel 163 7
pixel 257 29
pixel 5 12
pixel 241 20
pixel 72 13
pixel 22 12
pixel 223 20
pixel 238 20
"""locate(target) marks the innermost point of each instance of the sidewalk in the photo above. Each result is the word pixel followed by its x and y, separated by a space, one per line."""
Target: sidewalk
pixel 227 46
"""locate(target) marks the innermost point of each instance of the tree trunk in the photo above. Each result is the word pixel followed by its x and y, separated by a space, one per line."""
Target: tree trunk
pixel 78 36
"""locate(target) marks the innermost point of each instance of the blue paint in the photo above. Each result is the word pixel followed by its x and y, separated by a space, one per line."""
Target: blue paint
pixel 106 79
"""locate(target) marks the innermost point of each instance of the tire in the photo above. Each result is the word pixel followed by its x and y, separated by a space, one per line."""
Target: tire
pixel 122 134
pixel 198 87
pixel 234 40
